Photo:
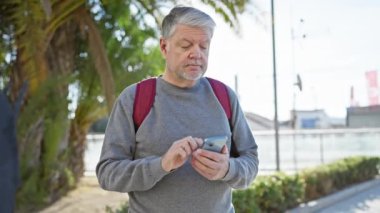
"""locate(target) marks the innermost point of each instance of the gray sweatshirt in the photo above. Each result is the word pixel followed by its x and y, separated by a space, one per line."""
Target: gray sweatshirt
pixel 131 161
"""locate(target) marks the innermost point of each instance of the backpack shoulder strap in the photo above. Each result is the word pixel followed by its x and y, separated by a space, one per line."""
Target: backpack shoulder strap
pixel 221 92
pixel 144 99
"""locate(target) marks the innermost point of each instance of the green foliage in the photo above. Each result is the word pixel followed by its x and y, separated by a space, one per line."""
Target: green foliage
pixel 30 193
pixel 326 179
pixel 56 125
pixel 41 126
pixel 132 44
pixel 245 201
pixel 279 192
pixel 70 178
pixel 46 103
pixel 122 209
pixel 230 15
pixel 269 194
pixel 293 189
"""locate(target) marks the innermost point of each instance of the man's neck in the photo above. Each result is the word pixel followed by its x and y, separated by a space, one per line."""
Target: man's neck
pixel 182 83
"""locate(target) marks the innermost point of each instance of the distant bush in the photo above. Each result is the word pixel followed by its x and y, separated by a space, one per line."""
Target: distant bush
pixel 279 192
pixel 122 209
pixel 326 179
pixel 274 193
pixel 243 200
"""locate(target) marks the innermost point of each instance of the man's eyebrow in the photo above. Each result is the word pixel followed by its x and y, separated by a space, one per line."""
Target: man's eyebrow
pixel 185 40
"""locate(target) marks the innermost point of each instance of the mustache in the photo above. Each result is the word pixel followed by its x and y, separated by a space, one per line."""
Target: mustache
pixel 193 64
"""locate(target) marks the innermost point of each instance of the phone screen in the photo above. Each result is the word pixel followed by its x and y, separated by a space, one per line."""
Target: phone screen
pixel 214 143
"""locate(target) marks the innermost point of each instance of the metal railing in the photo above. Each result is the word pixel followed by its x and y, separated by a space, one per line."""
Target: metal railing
pixel 299 148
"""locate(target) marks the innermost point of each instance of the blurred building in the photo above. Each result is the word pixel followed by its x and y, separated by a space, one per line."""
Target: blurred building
pixel 314 119
pixel 258 122
pixel 301 119
pixel 360 117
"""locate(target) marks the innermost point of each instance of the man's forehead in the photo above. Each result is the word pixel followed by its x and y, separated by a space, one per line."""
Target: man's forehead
pixel 191 32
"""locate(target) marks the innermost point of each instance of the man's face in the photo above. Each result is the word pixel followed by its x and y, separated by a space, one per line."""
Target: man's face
pixel 186 53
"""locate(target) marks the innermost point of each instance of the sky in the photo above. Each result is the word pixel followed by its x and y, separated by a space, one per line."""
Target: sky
pixel 342 42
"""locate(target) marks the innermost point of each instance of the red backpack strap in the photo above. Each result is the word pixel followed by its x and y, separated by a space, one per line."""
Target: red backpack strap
pixel 221 92
pixel 144 99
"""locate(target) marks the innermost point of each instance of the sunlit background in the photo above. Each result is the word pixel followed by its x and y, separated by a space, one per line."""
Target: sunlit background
pixel 330 44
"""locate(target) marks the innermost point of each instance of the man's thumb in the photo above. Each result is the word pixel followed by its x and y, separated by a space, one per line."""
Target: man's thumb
pixel 225 149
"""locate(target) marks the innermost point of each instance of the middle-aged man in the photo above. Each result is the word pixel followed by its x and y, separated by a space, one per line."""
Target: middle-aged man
pixel 160 164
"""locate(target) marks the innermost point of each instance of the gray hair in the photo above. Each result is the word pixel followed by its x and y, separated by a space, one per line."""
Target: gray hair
pixel 186 16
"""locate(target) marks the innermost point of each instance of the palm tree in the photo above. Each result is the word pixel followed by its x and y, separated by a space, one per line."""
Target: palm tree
pixel 70 52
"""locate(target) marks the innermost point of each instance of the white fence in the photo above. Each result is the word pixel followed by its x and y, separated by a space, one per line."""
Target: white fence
pixel 298 149
pixel 305 148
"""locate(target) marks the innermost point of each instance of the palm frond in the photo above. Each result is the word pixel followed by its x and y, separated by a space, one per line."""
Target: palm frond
pixel 100 57
pixel 62 11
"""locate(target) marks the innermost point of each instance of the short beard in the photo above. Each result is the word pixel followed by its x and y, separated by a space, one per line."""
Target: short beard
pixel 186 76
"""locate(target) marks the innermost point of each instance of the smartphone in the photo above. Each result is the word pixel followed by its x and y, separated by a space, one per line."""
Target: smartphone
pixel 214 143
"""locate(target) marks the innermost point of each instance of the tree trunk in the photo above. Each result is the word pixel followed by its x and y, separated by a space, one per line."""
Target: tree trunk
pixel 77 149
pixel 45 128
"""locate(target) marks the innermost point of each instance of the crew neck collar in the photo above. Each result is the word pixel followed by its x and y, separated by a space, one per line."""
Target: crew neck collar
pixel 171 86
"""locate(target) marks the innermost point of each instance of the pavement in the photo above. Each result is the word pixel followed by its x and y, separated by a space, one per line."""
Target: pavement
pixel 87 197
pixel 363 197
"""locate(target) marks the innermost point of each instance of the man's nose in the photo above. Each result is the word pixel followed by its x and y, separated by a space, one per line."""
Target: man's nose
pixel 195 53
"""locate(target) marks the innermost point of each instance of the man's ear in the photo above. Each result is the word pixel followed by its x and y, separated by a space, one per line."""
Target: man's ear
pixel 163 47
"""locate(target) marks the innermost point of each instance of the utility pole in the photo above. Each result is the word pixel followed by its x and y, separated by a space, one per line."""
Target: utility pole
pixel 237 86
pixel 275 89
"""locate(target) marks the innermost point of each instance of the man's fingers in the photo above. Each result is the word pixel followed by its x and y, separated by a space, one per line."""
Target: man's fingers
pixel 205 159
pixel 186 148
pixel 199 163
pixel 183 153
pixel 212 156
pixel 199 142
pixel 209 164
pixel 224 150
pixel 193 143
pixel 179 152
pixel 201 169
pixel 187 145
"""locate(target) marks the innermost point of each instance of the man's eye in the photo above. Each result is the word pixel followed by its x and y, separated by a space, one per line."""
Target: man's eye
pixel 185 47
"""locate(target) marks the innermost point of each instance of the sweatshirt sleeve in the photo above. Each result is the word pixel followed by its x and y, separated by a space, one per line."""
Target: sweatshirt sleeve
pixel 116 169
pixel 243 169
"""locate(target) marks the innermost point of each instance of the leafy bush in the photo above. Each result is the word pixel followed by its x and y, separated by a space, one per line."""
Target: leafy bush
pixel 244 201
pixel 274 193
pixel 326 179
pixel 293 188
pixel 279 192
pixel 269 194
pixel 122 209
pixel 318 182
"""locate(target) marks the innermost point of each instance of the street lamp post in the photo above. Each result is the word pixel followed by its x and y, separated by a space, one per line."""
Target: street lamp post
pixel 275 89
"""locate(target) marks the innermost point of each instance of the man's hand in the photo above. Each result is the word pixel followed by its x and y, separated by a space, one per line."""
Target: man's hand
pixel 179 152
pixel 211 165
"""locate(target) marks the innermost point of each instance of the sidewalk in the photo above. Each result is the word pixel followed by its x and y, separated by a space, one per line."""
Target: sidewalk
pixel 87 197
pixel 364 197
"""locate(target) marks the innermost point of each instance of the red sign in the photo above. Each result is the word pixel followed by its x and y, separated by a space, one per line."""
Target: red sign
pixel 373 89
